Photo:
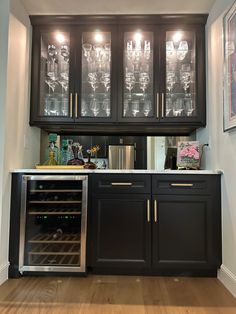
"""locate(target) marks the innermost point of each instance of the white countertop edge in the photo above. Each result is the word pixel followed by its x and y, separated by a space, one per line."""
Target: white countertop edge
pixel 137 171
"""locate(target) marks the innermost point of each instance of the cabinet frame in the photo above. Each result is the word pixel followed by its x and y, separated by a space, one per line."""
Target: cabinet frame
pixel 116 124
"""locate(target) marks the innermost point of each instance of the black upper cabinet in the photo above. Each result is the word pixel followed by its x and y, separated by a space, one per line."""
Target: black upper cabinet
pixel 119 74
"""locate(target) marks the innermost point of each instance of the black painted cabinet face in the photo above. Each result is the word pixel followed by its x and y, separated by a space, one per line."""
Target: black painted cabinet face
pixel 182 231
pixel 121 232
pixel 91 74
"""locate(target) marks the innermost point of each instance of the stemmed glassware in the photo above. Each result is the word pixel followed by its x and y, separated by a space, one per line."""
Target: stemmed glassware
pixel 144 80
pixel 185 79
pixel 170 80
pixel 182 50
pixel 57 73
pixel 130 82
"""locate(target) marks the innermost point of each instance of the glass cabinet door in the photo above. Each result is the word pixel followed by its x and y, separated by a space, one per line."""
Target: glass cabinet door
pixel 180 75
pixel 138 84
pixel 96 75
pixel 54 75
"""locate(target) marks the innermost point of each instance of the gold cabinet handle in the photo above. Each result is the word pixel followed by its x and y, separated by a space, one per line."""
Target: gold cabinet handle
pixel 71 101
pixel 157 108
pixel 76 105
pixel 155 210
pixel 162 105
pixel 121 183
pixel 181 184
pixel 148 210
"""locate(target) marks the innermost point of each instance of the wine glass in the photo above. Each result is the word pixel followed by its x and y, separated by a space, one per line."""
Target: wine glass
pixel 87 50
pixel 93 81
pixel 105 80
pixel 170 80
pixel 147 107
pixel 182 50
pixel 185 79
pixel 106 106
pixel 130 82
pixel 135 107
pixel 94 106
pixel 144 80
pixel 170 49
pixel 84 109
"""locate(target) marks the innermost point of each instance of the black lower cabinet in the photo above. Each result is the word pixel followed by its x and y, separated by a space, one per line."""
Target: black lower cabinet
pixel 121 232
pixel 183 233
pixel 176 231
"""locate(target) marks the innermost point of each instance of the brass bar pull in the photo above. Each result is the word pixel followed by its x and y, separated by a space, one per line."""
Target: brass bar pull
pixel 162 105
pixel 157 105
pixel 148 210
pixel 121 183
pixel 182 184
pixel 155 210
pixel 71 101
pixel 76 105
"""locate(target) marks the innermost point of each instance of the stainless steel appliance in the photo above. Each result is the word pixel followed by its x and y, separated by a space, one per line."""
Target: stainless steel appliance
pixel 53 223
pixel 121 156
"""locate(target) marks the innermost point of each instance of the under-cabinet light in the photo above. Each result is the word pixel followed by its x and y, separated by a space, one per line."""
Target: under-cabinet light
pixel 177 36
pixel 98 37
pixel 60 38
pixel 138 36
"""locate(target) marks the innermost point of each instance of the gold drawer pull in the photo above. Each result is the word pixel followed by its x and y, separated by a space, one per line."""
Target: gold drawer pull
pixel 76 105
pixel 71 101
pixel 182 184
pixel 148 210
pixel 121 183
pixel 157 99
pixel 155 210
pixel 162 105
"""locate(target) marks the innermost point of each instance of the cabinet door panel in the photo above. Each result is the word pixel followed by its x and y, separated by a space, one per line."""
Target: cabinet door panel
pixel 52 75
pixel 137 83
pixel 95 86
pixel 183 78
pixel 182 232
pixel 121 231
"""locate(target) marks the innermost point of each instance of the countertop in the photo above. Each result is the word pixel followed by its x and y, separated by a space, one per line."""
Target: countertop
pixel 36 171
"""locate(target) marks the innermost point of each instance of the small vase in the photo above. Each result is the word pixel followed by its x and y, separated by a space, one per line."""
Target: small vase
pixel 89 164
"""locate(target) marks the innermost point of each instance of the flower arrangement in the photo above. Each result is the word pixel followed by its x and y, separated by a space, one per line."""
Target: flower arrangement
pixel 93 150
pixel 188 155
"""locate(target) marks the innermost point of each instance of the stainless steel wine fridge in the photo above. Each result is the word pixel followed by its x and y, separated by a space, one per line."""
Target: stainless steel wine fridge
pixel 53 223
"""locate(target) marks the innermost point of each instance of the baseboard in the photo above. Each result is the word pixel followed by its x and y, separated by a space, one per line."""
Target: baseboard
pixel 228 279
pixel 3 273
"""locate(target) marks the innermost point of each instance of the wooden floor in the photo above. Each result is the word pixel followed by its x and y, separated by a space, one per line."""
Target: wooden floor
pixel 115 294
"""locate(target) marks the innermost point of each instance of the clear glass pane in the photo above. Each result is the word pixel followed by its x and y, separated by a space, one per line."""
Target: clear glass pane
pixel 180 74
pixel 96 74
pixel 138 75
pixel 54 74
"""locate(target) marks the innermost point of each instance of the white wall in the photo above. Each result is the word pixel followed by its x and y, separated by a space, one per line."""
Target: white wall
pixel 222 151
pixel 17 154
pixel 4 20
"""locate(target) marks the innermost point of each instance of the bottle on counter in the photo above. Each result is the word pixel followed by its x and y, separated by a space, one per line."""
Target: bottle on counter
pixel 52 138
pixel 77 159
pixel 51 161
pixel 70 151
pixel 65 157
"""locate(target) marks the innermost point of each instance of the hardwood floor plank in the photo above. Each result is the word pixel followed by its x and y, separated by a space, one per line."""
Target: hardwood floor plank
pixel 115 295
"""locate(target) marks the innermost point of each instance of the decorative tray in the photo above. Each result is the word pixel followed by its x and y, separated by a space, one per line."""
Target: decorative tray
pixel 58 167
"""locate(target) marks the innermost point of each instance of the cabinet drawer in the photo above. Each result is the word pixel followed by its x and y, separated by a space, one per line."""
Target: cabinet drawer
pixel 121 183
pixel 185 184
